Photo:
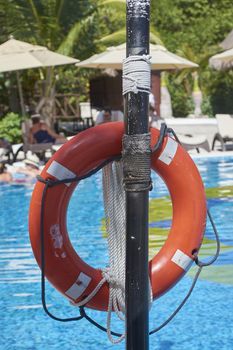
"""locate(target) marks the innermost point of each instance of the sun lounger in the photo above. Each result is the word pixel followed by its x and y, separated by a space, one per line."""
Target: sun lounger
pixel 194 142
pixel 225 131
pixel 189 142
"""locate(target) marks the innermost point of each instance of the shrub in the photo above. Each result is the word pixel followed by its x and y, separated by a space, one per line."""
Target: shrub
pixel 206 107
pixel 10 128
pixel 182 104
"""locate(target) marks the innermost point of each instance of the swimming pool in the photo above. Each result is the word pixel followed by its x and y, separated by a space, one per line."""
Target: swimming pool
pixel 203 323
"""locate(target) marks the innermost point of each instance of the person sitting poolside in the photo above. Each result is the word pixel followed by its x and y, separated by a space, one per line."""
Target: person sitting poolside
pixel 107 115
pixel 5 148
pixel 41 133
pixel 155 120
pixel 5 144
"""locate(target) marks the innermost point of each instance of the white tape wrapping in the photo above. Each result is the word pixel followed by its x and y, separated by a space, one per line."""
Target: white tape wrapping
pixel 60 172
pixel 182 260
pixel 169 151
pixel 79 286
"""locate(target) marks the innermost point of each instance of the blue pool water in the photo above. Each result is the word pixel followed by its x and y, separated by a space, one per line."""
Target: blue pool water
pixel 204 323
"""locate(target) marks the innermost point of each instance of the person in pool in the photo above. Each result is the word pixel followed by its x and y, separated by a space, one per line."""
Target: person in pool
pixel 19 174
pixel 5 176
pixel 41 133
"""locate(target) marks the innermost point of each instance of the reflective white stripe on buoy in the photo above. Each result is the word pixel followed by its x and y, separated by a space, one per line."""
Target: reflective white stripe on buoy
pixel 60 172
pixel 182 260
pixel 79 286
pixel 169 151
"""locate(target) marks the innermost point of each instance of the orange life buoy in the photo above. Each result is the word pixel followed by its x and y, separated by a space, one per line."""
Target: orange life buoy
pixel 64 268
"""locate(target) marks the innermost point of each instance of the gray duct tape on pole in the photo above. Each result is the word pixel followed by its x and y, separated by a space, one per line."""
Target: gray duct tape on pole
pixel 136 148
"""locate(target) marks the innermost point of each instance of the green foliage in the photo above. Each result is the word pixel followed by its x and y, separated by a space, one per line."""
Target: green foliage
pixel 114 39
pixel 194 29
pixel 206 107
pixel 80 29
pixel 76 82
pixel 42 22
pixel 10 128
pixel 119 37
pixel 52 23
pixel 11 18
pixel 199 23
pixel 119 5
pixel 68 26
pixel 182 105
pixel 219 86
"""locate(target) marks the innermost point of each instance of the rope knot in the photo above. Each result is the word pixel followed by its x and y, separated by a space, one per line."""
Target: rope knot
pixel 147 58
pixel 111 278
pixel 107 275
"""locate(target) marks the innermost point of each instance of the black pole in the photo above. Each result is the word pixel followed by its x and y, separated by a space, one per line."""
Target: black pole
pixel 136 122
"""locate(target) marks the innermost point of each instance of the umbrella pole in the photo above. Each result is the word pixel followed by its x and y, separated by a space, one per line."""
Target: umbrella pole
pixel 21 99
pixel 137 201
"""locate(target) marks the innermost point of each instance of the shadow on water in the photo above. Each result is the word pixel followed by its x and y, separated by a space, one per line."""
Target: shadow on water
pixel 166 345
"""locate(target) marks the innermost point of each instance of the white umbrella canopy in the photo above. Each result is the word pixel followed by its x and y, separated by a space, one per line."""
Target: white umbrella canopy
pixel 161 59
pixel 19 55
pixel 222 60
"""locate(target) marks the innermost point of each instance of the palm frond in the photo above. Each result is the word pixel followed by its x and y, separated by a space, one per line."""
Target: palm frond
pixel 66 47
pixel 115 38
pixel 119 37
pixel 34 11
pixel 59 7
pixel 118 5
pixel 113 2
pixel 155 37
